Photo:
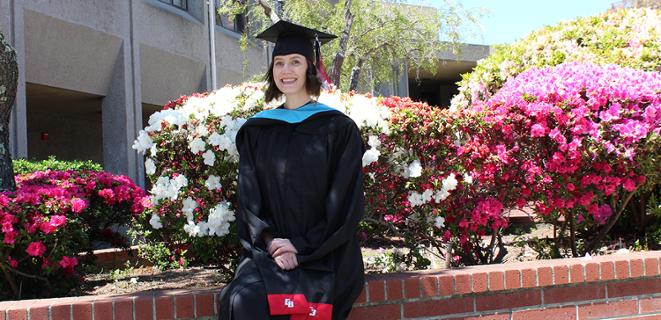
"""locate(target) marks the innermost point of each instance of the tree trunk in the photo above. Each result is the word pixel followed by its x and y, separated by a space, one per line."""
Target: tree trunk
pixel 8 84
pixel 336 70
pixel 355 75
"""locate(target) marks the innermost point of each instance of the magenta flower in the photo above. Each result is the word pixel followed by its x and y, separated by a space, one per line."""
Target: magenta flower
pixel 46 228
pixel 12 262
pixel 36 249
pixel 10 238
pixel 629 185
pixel 57 220
pixel 538 130
pixel 68 262
pixel 78 205
pixel 108 195
pixel 602 214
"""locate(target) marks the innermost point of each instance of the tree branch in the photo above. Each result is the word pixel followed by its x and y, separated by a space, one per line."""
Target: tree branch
pixel 611 222
pixel 268 11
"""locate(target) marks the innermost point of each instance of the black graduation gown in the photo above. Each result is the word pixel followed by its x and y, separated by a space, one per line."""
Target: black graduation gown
pixel 300 178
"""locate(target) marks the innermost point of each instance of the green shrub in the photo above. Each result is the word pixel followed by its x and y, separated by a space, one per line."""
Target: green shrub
pixel 24 166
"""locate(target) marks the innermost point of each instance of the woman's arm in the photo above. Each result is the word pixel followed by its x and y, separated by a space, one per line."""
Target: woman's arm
pixel 252 230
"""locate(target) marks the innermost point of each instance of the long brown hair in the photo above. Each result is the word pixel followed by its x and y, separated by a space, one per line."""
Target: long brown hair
pixel 312 83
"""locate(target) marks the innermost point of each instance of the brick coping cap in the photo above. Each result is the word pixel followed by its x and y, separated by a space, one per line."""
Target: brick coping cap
pixel 24 304
pixel 537 264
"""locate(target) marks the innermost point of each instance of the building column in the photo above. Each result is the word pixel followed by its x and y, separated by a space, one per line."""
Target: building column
pixel 122 113
pixel 18 139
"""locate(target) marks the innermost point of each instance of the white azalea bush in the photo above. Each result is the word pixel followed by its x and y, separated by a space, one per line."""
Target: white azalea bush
pixel 191 161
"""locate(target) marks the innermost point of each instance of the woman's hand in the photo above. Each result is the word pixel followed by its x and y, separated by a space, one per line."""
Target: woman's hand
pixel 287 261
pixel 280 246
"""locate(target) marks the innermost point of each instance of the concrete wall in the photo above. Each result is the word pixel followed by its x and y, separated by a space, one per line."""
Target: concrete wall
pixel 126 54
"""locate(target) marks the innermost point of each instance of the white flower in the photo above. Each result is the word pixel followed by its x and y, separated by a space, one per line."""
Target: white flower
pixel 333 100
pixel 143 142
pixel 214 139
pixel 213 183
pixel 166 188
pixel 370 156
pixel 180 181
pixel 209 158
pixel 153 150
pixel 219 219
pixel 441 195
pixel 192 229
pixel 195 108
pixel 197 145
pixel 450 182
pixel 189 206
pixel 373 141
pixel 202 130
pixel 415 199
pixel 467 178
pixel 439 222
pixel 150 166
pixel 365 112
pixel 253 99
pixel 163 189
pixel 426 195
pixel 414 169
pixel 171 116
pixel 223 100
pixel 204 228
pixel 155 222
pixel 226 141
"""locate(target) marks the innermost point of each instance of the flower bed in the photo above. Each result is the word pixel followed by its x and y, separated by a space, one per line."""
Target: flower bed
pixel 50 218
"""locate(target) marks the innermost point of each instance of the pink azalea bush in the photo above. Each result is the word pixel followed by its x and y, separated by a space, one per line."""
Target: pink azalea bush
pixel 51 218
pixel 575 141
pixel 627 37
pixel 420 191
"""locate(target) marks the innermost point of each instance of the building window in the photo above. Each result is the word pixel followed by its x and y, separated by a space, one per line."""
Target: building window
pixel 232 22
pixel 181 4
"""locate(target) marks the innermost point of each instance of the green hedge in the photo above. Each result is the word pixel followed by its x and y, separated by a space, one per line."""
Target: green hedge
pixel 24 166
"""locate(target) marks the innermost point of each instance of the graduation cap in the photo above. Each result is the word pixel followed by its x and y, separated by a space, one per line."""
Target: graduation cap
pixel 293 38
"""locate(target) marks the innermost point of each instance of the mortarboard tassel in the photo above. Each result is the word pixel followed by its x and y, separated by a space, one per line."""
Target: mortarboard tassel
pixel 321 71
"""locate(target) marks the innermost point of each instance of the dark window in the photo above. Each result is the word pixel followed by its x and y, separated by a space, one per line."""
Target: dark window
pixel 181 4
pixel 236 22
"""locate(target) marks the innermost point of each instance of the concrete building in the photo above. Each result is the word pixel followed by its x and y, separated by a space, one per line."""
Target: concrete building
pixel 438 88
pixel 92 71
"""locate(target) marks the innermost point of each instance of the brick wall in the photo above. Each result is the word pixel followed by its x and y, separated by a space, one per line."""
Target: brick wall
pixel 622 286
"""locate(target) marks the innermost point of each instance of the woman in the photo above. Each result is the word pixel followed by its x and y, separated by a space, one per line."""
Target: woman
pixel 300 196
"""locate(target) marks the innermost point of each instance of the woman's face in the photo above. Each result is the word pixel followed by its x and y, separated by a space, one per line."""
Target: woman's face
pixel 289 73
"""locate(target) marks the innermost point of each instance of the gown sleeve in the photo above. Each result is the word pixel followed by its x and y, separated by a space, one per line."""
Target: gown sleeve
pixel 344 200
pixel 250 224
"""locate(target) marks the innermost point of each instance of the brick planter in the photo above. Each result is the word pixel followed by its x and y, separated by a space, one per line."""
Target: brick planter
pixel 609 287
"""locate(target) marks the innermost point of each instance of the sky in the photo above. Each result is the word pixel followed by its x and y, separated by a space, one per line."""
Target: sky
pixel 506 21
